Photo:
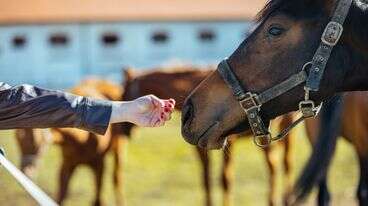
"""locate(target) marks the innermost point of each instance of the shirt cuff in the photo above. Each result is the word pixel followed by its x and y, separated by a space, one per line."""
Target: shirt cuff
pixel 95 115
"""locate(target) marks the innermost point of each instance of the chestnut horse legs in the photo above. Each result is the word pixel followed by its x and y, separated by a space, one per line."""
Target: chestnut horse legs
pixel 270 160
pixel 98 168
pixel 205 162
pixel 287 161
pixel 68 168
pixel 285 121
pixel 66 172
pixel 118 150
pixel 271 163
pixel 227 176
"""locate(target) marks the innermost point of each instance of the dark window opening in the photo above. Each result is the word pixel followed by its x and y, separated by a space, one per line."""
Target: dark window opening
pixel 59 39
pixel 110 39
pixel 160 37
pixel 19 41
pixel 207 36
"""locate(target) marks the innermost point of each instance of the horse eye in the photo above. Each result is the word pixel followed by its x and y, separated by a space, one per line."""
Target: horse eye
pixel 275 31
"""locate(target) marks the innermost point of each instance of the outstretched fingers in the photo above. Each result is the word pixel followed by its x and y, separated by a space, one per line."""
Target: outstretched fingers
pixel 168 109
pixel 161 110
pixel 170 104
pixel 165 112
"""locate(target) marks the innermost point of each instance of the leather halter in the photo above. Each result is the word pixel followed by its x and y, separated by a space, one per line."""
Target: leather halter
pixel 251 102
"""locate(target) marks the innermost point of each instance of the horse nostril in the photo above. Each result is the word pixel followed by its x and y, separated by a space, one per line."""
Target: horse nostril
pixel 187 112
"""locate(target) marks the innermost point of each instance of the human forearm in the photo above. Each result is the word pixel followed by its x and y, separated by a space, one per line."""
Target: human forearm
pixel 120 112
pixel 26 106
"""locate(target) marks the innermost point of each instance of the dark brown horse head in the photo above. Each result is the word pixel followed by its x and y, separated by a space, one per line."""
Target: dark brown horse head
pixel 286 36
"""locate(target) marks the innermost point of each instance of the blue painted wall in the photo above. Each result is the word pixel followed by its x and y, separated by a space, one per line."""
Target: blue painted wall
pixel 59 55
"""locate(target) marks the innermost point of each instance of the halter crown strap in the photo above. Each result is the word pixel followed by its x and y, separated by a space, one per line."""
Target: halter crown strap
pixel 283 87
pixel 329 39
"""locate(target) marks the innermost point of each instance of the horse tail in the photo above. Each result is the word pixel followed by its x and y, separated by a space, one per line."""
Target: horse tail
pixel 323 150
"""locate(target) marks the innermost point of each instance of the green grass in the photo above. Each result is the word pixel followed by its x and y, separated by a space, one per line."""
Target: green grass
pixel 161 169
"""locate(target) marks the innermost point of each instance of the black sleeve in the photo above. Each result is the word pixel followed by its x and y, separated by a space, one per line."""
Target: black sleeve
pixel 26 106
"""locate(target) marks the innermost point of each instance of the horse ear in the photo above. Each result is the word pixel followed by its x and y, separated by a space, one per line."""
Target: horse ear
pixel 128 74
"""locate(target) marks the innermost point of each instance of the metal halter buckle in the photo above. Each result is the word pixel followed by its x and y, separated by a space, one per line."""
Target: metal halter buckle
pixel 249 101
pixel 332 33
pixel 307 108
pixel 263 140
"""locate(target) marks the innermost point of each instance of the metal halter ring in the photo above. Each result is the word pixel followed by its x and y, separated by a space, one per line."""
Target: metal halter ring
pixel 306 64
pixel 307 108
pixel 262 141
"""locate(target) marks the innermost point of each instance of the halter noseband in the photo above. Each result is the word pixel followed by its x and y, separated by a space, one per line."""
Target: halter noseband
pixel 251 102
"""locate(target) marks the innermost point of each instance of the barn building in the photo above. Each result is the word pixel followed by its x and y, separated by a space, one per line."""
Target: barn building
pixel 56 43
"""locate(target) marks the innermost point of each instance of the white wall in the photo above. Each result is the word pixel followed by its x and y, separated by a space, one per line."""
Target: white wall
pixel 40 62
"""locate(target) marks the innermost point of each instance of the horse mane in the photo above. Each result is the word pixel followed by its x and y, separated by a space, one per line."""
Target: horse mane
pixel 291 7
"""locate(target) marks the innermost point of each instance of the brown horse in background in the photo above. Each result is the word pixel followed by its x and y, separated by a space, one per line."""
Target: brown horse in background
pixel 79 147
pixel 32 144
pixel 353 126
pixel 178 83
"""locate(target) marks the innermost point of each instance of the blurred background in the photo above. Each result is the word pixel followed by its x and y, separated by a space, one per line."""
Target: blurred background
pixel 42 41
pixel 58 43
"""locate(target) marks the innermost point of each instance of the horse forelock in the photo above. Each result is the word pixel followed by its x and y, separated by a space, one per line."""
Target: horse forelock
pixel 270 7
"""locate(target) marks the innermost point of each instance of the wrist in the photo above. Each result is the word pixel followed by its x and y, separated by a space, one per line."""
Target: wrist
pixel 120 112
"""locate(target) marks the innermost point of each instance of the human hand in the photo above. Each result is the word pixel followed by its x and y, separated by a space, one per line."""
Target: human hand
pixel 146 111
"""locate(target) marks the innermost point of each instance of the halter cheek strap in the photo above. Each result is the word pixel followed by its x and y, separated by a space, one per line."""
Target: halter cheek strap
pixel 248 101
pixel 251 103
